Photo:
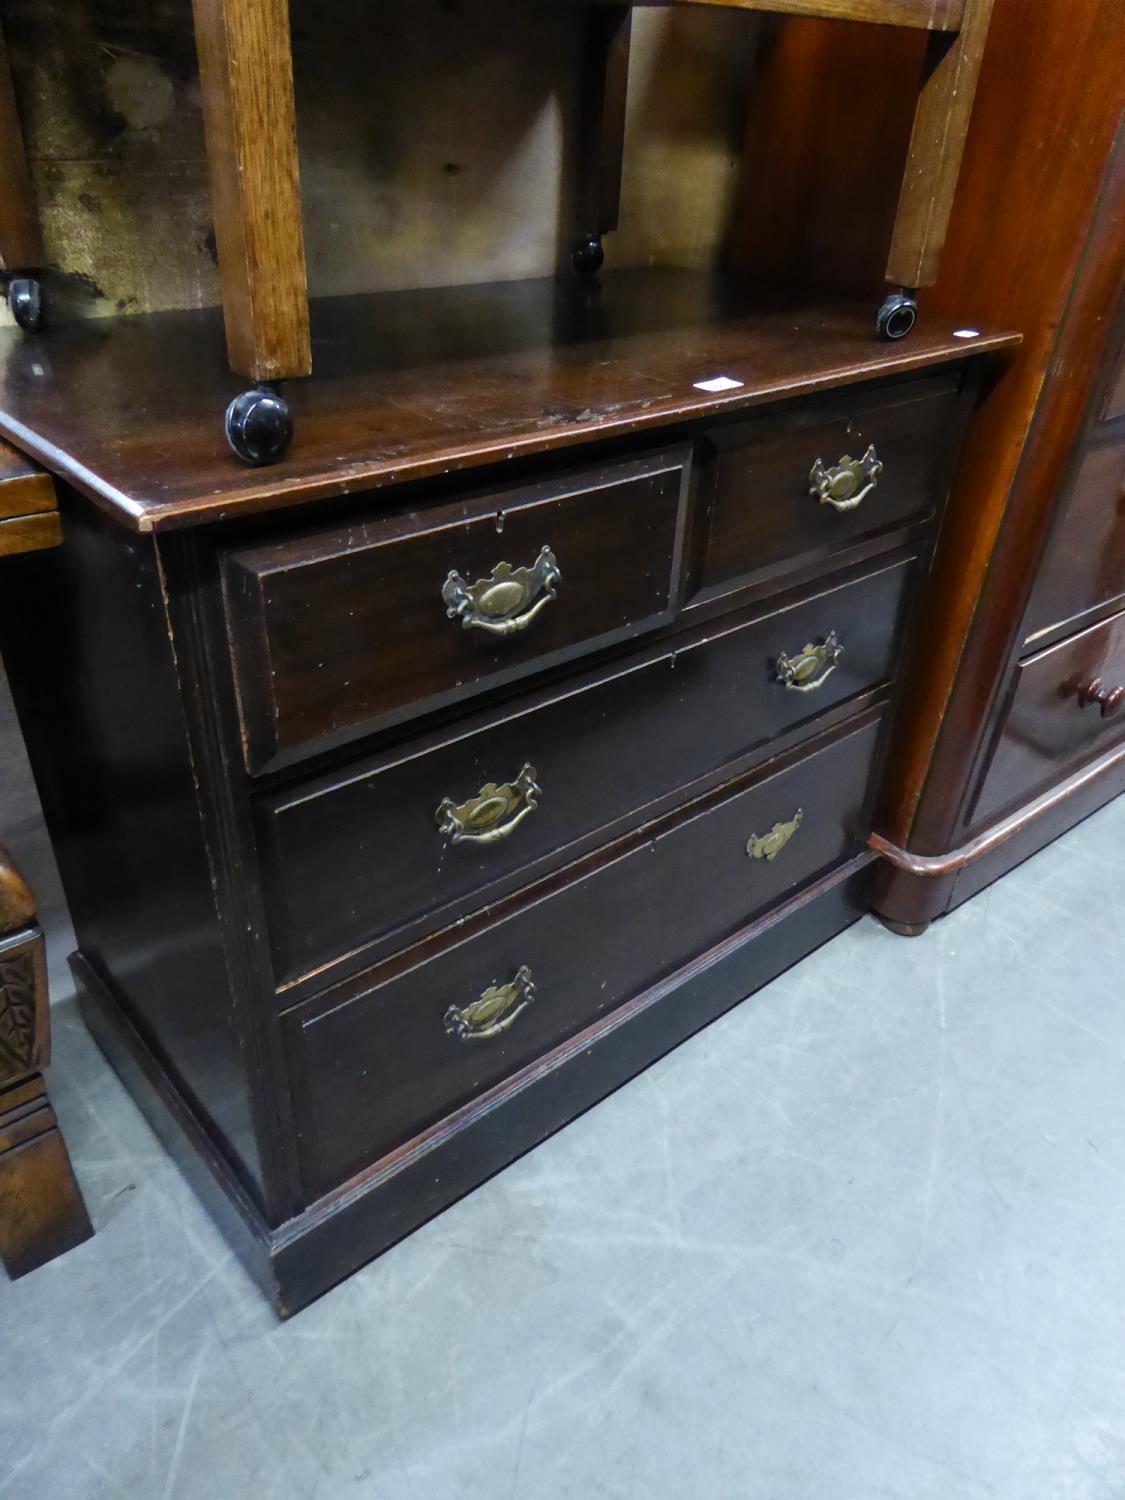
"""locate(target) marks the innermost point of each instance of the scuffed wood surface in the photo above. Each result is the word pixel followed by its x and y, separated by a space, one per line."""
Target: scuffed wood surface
pixel 413 385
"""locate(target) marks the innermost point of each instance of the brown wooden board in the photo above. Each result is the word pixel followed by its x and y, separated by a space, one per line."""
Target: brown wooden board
pixel 924 15
pixel 419 384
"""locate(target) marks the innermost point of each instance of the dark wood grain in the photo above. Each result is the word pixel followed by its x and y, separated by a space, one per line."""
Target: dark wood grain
pixel 823 157
pixel 418 384
pixel 356 856
pixel 21 239
pixel 340 632
pixel 381 1068
pixel 246 80
pixel 760 509
pixel 1085 564
pixel 1051 725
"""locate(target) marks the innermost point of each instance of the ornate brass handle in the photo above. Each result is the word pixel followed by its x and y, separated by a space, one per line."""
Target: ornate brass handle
pixel 849 483
pixel 812 667
pixel 769 845
pixel 493 814
pixel 507 600
pixel 1109 700
pixel 494 1012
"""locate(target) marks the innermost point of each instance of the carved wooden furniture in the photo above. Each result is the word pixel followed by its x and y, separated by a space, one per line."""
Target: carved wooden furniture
pixel 412 795
pixel 1015 728
pixel 41 1209
pixel 246 71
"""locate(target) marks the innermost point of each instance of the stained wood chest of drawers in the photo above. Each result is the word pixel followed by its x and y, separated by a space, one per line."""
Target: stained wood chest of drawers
pixel 413 794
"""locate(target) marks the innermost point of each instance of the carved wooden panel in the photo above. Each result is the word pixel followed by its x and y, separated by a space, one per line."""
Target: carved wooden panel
pixel 23 1004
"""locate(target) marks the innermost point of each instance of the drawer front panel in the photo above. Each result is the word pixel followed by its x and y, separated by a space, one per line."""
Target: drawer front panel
pixel 766 502
pixel 372 1072
pixel 343 632
pixel 1085 564
pixel 1056 720
pixel 354 859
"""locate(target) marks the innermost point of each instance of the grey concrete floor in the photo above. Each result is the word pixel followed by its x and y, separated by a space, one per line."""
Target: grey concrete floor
pixel 862 1238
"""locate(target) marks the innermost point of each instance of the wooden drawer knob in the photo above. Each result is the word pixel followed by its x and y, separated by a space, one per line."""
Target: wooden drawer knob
pixel 1109 700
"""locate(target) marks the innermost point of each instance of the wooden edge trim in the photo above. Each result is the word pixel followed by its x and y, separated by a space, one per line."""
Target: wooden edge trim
pixel 914 15
pixel 933 865
pixel 31 493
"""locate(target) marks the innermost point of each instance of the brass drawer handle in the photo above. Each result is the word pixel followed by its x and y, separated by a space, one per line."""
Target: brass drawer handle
pixel 507 600
pixel 493 814
pixel 494 1012
pixel 812 668
pixel 1109 700
pixel 849 483
pixel 769 845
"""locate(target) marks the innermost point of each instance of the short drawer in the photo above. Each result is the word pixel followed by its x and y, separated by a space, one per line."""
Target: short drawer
pixel 1084 566
pixel 344 631
pixel 370 1072
pixel 787 488
pixel 437 829
pixel 1068 705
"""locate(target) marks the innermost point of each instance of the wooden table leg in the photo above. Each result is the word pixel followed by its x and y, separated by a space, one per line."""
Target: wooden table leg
pixel 937 144
pixel 246 73
pixel 42 1213
pixel 41 1209
pixel 608 35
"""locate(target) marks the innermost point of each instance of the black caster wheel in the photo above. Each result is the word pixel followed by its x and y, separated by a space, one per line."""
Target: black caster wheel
pixel 897 316
pixel 25 298
pixel 259 426
pixel 588 255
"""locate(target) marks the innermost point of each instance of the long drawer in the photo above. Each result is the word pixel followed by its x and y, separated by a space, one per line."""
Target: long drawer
pixel 799 485
pixel 371 1071
pixel 357 857
pixel 1068 705
pixel 347 630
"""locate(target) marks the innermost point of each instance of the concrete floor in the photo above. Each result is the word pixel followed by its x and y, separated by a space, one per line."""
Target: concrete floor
pixel 862 1238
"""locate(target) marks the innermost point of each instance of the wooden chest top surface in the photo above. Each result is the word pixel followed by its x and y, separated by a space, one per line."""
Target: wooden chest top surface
pixel 411 385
